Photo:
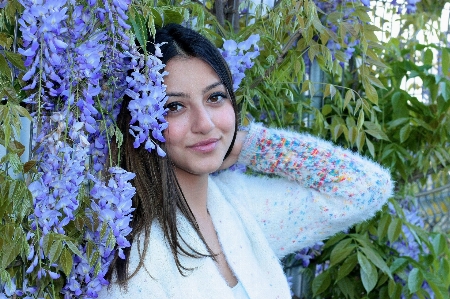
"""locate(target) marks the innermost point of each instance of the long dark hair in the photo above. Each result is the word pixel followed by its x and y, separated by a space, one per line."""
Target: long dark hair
pixel 158 194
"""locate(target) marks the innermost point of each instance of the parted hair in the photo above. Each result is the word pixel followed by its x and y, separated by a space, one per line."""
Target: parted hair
pixel 158 194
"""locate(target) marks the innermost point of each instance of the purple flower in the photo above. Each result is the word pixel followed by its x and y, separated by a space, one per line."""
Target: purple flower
pixel 366 2
pixel 148 94
pixel 239 57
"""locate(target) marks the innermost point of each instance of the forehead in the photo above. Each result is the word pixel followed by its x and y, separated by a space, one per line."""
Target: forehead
pixel 189 72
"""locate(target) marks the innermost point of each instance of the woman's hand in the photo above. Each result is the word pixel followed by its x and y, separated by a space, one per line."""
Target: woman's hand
pixel 234 155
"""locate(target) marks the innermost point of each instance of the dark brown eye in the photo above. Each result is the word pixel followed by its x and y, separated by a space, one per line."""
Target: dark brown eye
pixel 217 97
pixel 174 107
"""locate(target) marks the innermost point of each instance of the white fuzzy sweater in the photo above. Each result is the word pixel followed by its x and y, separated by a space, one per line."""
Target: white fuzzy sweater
pixel 323 189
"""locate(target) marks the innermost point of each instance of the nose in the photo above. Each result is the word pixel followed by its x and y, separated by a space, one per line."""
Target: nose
pixel 202 121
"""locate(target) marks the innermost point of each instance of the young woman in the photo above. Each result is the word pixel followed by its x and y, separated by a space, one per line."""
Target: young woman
pixel 222 236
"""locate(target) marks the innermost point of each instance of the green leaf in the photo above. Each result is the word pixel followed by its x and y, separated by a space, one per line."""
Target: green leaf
pixel 376 259
pixel 365 264
pixel 375 81
pixel 139 26
pixel 94 258
pixel 428 57
pixel 398 122
pixel 347 286
pixel 12 238
pixel 398 264
pixel 330 90
pixel 371 93
pixel 341 251
pixel 383 225
pixel 415 280
pixel 369 275
pixel 352 134
pixel 349 95
pixel 445 62
pixel 4 68
pixel 444 270
pixel 66 261
pixel 347 266
pixel 361 13
pixel 394 289
pixel 5 277
pixel 55 251
pixel 334 240
pixel 15 59
pixel 360 119
pixel 22 111
pixel 321 282
pixel 155 19
pixel 436 284
pixel 375 130
pixel 173 15
pixel 5 40
pixel 421 123
pixel 370 147
pixel 394 230
pixel 22 200
pixel 439 244
pixel 326 109
pixel 47 242
pixel 404 133
pixel 74 249
pixel 360 139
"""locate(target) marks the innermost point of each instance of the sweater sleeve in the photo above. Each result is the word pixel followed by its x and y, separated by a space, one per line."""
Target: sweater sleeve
pixel 325 189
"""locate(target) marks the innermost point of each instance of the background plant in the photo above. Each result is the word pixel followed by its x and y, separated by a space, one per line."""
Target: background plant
pixel 360 102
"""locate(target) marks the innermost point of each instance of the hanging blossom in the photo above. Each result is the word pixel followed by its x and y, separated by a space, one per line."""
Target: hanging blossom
pixel 148 94
pixel 55 193
pixel 111 211
pixel 42 24
pixel 70 59
pixel 239 57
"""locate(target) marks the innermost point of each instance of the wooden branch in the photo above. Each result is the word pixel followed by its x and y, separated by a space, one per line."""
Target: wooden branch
pixel 219 12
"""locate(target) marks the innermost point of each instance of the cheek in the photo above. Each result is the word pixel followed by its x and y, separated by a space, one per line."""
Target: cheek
pixel 172 133
pixel 227 117
pixel 230 119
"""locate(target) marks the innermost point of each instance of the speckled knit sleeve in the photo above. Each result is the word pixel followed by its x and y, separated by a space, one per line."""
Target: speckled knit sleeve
pixel 315 163
pixel 325 188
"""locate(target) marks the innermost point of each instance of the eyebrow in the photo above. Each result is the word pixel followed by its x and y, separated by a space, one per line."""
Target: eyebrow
pixel 205 90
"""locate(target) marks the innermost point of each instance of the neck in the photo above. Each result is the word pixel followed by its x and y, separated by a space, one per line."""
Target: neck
pixel 195 188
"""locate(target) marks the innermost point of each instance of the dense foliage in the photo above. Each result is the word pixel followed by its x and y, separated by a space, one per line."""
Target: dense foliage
pixel 64 64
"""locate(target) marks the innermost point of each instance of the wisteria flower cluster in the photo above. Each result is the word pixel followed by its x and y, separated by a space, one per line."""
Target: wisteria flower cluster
pixel 239 57
pixel 70 61
pixel 148 94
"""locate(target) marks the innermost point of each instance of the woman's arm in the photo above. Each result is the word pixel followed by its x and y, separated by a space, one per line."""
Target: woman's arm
pixel 325 189
pixel 315 164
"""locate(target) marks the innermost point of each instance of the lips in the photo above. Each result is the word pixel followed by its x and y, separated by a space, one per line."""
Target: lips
pixel 205 146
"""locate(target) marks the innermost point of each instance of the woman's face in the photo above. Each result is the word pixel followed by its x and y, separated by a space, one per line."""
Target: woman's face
pixel 200 115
